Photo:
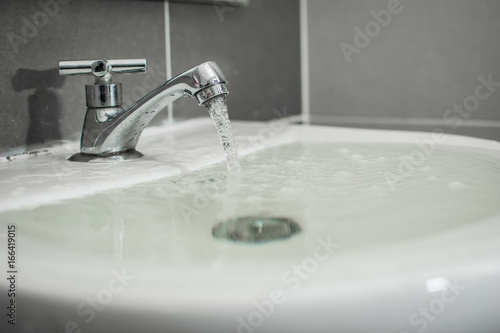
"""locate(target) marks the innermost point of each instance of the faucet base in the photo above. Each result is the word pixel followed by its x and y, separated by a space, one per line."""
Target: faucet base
pixel 131 154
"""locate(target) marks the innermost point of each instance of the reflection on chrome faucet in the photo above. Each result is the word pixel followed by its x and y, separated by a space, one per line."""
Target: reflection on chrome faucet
pixel 109 131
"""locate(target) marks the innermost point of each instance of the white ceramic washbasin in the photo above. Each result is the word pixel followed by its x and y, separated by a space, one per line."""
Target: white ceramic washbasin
pixel 400 232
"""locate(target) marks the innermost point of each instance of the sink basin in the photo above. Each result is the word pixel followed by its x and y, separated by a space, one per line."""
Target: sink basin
pixel 396 232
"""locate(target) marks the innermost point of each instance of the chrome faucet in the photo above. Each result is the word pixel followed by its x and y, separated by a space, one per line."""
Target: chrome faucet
pixel 109 131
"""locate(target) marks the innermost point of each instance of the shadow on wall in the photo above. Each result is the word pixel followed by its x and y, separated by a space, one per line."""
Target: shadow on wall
pixel 43 105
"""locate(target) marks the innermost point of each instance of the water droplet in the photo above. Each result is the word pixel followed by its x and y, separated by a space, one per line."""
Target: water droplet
pixel 18 191
pixel 456 186
pixel 344 151
pixel 342 176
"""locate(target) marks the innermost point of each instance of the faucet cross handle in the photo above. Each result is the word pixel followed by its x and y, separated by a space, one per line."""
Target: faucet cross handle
pixel 103 93
pixel 102 68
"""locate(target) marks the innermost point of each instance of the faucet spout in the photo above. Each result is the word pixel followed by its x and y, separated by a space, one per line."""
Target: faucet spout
pixel 112 132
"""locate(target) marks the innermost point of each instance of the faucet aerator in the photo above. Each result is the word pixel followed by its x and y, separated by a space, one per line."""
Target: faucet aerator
pixel 211 92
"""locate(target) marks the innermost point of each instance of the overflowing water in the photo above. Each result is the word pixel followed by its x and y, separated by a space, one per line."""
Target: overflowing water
pixel 364 195
pixel 217 108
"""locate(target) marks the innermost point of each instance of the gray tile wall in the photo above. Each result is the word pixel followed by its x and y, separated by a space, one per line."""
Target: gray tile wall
pixel 425 60
pixel 258 47
pixel 37 105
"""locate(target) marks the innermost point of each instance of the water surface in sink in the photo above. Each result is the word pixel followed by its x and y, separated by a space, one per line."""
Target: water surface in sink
pixel 346 190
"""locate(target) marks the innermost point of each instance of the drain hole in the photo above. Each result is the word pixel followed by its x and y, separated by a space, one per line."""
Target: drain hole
pixel 253 229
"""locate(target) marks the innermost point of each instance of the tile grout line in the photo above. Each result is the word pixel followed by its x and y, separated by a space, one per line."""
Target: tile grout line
pixel 168 55
pixel 304 63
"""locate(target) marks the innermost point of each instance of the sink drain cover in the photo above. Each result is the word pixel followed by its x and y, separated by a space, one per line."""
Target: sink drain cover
pixel 251 229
